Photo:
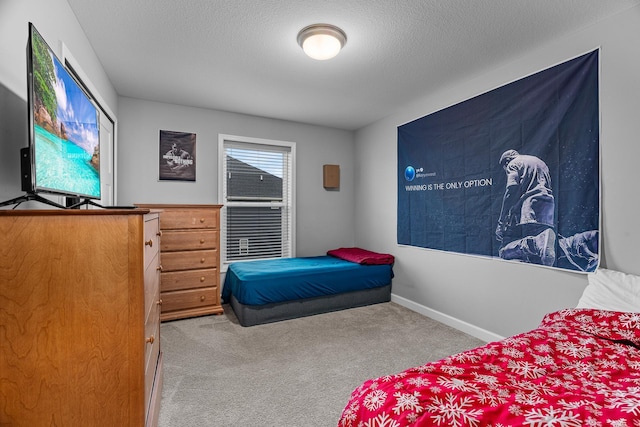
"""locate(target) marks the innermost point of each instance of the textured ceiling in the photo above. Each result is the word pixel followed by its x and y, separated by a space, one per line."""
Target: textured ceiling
pixel 242 55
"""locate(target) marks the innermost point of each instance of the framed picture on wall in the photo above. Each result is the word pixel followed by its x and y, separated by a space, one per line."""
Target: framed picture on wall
pixel 177 160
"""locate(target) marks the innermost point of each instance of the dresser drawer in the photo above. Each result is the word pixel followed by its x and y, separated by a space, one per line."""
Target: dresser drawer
pixel 152 288
pixel 152 337
pixel 152 352
pixel 152 315
pixel 151 238
pixel 192 298
pixel 189 240
pixel 180 280
pixel 188 260
pixel 189 218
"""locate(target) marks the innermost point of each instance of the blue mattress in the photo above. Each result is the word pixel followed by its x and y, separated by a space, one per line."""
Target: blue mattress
pixel 287 279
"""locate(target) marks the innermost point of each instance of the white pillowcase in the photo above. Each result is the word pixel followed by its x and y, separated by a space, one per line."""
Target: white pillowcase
pixel 611 290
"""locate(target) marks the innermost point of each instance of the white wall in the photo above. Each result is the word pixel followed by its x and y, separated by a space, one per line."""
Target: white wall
pixel 494 295
pixel 325 219
pixel 57 24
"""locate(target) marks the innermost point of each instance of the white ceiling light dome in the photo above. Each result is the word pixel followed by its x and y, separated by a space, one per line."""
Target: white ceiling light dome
pixel 321 41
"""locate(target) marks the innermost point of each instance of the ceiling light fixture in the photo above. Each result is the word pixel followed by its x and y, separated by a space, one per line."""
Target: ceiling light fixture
pixel 321 41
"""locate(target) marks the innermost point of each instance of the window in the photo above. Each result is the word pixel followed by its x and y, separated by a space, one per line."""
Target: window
pixel 256 189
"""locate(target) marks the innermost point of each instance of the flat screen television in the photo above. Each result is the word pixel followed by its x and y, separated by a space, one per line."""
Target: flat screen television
pixel 63 126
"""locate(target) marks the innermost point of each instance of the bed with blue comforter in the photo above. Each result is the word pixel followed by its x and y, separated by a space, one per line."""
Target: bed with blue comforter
pixel 271 290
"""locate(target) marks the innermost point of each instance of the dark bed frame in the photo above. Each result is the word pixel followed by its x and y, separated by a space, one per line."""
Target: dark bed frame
pixel 251 315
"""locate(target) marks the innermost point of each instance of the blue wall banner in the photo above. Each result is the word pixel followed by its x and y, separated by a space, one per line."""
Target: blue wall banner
pixel 511 174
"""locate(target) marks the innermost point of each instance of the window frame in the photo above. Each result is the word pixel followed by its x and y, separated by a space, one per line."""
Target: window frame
pixel 253 142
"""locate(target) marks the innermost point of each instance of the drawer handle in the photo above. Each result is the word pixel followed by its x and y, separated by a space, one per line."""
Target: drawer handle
pixel 159 233
pixel 202 279
pixel 150 340
pixel 159 302
pixel 149 243
pixel 202 298
pixel 202 260
pixel 202 220
pixel 159 268
pixel 201 240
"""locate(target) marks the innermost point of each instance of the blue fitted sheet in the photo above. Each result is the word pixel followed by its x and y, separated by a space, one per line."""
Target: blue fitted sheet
pixel 287 279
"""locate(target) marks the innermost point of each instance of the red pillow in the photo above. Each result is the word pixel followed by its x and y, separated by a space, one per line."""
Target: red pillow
pixel 361 256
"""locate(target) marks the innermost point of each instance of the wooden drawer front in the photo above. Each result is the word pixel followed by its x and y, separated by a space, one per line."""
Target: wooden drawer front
pixel 152 351
pixel 181 300
pixel 152 324
pixel 152 313
pixel 151 238
pixel 190 260
pixel 179 280
pixel 151 287
pixel 156 396
pixel 189 218
pixel 189 240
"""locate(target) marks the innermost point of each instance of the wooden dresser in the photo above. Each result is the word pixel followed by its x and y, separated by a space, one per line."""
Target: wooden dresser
pixel 190 259
pixel 79 318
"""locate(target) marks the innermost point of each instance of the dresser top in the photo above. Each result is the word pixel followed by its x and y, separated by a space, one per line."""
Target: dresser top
pixel 70 212
pixel 175 205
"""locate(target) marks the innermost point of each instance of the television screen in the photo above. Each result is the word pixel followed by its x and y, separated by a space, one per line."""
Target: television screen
pixel 63 127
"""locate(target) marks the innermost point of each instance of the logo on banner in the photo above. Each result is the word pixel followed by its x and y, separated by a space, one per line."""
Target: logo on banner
pixel 409 173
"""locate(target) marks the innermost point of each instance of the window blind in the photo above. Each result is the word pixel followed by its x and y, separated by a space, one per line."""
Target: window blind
pixel 258 201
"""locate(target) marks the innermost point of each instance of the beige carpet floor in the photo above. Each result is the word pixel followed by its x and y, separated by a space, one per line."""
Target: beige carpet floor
pixel 292 373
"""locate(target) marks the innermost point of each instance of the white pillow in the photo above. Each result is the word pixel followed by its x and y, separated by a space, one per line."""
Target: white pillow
pixel 611 290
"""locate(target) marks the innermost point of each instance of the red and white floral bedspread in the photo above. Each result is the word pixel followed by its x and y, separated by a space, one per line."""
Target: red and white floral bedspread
pixel 566 373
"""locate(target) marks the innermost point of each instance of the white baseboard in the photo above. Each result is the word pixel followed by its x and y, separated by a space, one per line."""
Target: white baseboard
pixel 463 326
